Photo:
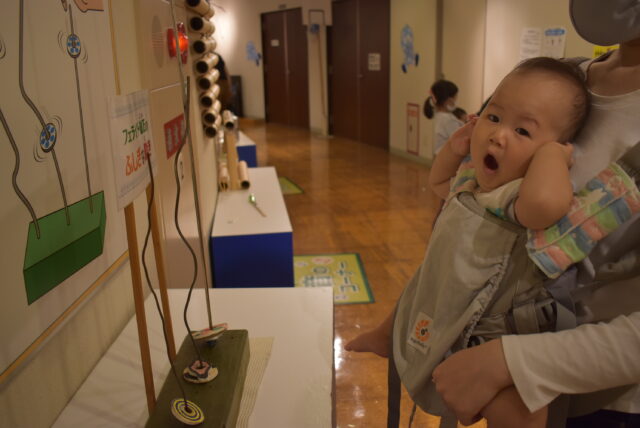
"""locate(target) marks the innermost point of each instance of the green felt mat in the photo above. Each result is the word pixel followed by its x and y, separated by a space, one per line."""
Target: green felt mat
pixel 343 272
pixel 289 187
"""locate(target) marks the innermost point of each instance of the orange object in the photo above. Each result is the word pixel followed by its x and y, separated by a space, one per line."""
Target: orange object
pixel 183 41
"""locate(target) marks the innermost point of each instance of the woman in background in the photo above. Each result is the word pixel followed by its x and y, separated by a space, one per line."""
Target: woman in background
pixel 439 106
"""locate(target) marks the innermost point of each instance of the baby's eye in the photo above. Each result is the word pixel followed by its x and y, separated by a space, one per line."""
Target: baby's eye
pixel 493 118
pixel 523 132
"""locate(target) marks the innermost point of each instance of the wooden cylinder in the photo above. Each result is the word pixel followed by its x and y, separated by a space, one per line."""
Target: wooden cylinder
pixel 209 116
pixel 223 176
pixel 206 63
pixel 198 24
pixel 243 175
pixel 229 120
pixel 217 106
pixel 201 7
pixel 204 45
pixel 207 80
pixel 232 159
pixel 210 131
pixel 207 99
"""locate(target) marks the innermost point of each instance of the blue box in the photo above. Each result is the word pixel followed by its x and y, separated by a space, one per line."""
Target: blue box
pixel 247 249
pixel 247 150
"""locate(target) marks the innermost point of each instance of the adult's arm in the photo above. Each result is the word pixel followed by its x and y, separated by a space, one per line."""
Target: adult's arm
pixel 588 358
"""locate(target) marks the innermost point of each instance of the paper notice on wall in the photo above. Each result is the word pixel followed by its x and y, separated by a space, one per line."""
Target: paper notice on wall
pixel 413 130
pixel 530 42
pixel 554 42
pixel 130 140
pixel 374 62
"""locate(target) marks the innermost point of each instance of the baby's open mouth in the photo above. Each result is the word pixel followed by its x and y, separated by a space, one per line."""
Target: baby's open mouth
pixel 490 162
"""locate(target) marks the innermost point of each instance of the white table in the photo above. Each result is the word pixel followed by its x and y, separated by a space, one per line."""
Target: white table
pixel 296 389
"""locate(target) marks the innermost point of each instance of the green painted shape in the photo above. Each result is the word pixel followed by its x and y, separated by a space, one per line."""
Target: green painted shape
pixel 288 187
pixel 219 399
pixel 63 249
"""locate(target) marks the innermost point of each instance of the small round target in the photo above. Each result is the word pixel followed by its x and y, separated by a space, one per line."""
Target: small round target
pixel 48 137
pixel 186 412
pixel 73 45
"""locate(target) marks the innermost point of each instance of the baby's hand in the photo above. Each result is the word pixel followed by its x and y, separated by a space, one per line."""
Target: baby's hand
pixel 564 151
pixel 460 141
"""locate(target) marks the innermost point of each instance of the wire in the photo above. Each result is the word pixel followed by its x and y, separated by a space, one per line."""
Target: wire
pixel 177 222
pixel 146 275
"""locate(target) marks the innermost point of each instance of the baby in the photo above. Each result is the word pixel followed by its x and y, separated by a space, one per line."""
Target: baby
pixel 518 170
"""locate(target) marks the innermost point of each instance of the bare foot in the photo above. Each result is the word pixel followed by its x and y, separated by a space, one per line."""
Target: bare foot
pixel 374 341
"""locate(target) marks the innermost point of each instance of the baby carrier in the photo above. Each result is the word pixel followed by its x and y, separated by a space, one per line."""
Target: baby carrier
pixel 491 287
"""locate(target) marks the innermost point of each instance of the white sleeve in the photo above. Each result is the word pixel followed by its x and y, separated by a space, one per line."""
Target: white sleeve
pixel 588 358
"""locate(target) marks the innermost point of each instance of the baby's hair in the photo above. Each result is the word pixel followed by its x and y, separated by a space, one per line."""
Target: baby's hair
pixel 441 91
pixel 574 76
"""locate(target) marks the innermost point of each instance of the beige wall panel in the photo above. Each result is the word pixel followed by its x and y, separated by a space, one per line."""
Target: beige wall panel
pixel 412 86
pixel 464 49
pixel 153 21
pixel 505 21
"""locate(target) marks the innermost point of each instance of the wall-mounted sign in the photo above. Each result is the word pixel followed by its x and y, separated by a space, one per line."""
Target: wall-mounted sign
pixel 413 128
pixel 130 141
pixel 275 43
pixel 173 131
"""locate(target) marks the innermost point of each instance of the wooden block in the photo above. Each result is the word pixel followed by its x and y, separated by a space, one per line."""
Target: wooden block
pixel 219 399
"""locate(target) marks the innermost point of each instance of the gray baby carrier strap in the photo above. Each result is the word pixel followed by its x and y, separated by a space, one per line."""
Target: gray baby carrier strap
pixel 439 308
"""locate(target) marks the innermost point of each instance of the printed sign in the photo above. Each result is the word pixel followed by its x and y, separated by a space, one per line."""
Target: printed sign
pixel 554 42
pixel 173 132
pixel 413 128
pixel 530 43
pixel 130 141
pixel 374 62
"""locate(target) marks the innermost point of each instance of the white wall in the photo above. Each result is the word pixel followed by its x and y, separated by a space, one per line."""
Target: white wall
pixel 238 22
pixel 37 391
pixel 463 47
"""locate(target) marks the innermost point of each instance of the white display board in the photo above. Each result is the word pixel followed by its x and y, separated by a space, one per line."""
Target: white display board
pixel 60 225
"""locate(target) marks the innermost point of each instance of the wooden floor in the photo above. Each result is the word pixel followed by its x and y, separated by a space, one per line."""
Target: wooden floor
pixel 357 198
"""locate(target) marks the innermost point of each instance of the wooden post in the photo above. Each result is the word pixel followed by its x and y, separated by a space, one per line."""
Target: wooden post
pixel 158 251
pixel 232 159
pixel 138 297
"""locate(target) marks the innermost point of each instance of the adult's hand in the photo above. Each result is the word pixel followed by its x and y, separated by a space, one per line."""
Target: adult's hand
pixel 468 380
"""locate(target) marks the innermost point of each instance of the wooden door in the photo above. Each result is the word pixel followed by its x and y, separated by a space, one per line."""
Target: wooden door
pixel 298 68
pixel 360 71
pixel 373 23
pixel 274 65
pixel 286 85
pixel 344 73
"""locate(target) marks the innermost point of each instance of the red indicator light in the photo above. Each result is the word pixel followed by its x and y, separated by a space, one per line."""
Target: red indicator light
pixel 183 41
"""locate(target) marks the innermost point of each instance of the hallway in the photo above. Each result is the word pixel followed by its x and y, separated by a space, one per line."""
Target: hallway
pixel 357 198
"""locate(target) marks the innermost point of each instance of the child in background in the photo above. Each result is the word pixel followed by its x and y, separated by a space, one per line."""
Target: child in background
pixel 439 106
